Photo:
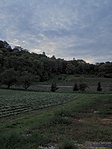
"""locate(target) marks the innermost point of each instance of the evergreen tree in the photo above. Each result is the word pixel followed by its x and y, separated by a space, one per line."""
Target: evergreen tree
pixel 99 87
pixel 75 87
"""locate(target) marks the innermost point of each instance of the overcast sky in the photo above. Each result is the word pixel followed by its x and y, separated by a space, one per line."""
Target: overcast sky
pixel 68 29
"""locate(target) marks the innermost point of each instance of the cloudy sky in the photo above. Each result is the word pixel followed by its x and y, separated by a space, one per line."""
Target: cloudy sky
pixel 68 29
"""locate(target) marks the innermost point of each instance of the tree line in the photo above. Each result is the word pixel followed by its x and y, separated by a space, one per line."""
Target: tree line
pixel 76 87
pixel 18 65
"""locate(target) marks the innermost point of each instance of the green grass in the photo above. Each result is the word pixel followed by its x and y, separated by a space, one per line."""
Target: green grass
pixel 13 102
pixel 84 117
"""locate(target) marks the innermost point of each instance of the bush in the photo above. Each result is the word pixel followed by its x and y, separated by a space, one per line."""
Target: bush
pixel 11 141
pixel 68 144
pixel 54 87
pixel 82 87
pixel 16 141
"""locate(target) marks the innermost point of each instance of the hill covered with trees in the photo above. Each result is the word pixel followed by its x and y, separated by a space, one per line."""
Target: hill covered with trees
pixel 18 65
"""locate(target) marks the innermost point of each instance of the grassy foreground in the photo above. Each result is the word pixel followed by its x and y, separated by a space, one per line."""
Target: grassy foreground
pixel 84 117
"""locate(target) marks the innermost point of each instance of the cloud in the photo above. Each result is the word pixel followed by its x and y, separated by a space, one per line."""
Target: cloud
pixel 64 28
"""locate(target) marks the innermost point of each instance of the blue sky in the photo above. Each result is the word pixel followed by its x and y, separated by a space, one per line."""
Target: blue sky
pixel 68 29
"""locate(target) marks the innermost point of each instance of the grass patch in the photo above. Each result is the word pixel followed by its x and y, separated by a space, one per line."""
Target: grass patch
pixel 80 120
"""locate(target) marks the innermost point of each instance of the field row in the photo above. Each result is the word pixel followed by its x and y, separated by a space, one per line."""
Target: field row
pixel 16 102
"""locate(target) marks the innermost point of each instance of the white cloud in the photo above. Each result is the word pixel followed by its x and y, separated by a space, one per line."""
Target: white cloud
pixel 64 28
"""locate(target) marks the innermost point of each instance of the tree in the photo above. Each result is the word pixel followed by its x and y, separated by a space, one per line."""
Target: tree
pixel 82 87
pixel 54 87
pixel 75 87
pixel 99 87
pixel 44 77
pixel 1 44
pixel 8 77
pixel 106 70
pixel 26 79
pixel 38 67
pixel 1 59
pixel 70 68
pixel 5 46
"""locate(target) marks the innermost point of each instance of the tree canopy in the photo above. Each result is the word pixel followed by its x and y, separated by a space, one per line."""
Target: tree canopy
pixel 18 60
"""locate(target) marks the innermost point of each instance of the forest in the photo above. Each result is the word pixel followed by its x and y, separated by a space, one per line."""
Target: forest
pixel 19 66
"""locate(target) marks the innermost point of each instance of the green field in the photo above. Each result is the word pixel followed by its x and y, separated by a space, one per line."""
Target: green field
pixel 13 102
pixel 29 119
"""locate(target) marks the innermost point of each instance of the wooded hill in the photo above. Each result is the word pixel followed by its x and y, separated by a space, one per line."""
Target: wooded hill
pixel 19 65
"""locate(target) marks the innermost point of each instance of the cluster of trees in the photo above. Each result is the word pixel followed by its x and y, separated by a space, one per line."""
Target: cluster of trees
pixel 11 77
pixel 81 87
pixel 19 65
pixel 77 87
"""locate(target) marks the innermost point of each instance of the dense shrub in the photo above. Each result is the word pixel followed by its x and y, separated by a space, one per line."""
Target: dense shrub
pixel 68 144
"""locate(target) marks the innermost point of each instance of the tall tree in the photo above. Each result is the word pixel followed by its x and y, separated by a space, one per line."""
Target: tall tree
pixel 26 79
pixel 75 87
pixel 8 77
pixel 99 87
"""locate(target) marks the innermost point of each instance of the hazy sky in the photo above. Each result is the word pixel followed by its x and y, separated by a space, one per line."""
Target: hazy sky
pixel 68 29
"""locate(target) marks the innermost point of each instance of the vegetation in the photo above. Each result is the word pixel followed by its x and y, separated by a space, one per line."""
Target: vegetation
pixel 31 119
pixel 75 87
pixel 54 87
pixel 68 144
pixel 8 77
pixel 80 119
pixel 26 79
pixel 82 87
pixel 99 87
pixel 19 61
pixel 14 102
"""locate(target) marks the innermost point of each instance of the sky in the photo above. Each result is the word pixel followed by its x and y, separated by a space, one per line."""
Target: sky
pixel 80 29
